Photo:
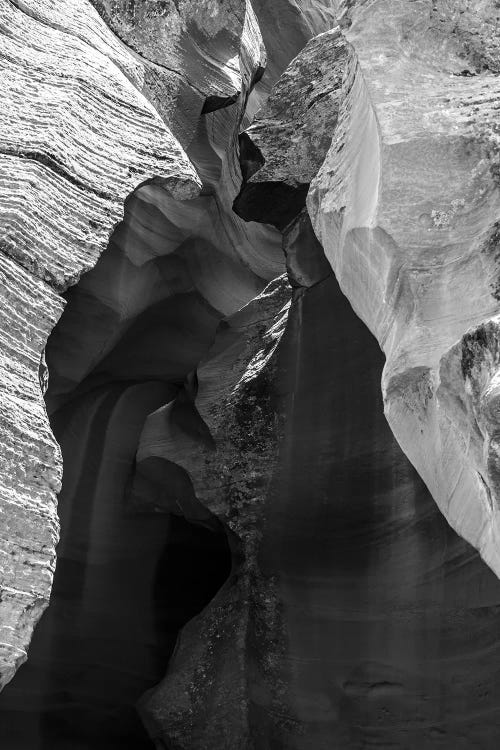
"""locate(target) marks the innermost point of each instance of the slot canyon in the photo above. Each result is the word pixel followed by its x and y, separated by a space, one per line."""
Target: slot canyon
pixel 250 352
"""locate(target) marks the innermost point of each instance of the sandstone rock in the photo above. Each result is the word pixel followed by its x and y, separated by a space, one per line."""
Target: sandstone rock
pixel 95 141
pixel 305 259
pixel 351 615
pixel 285 146
pixel 73 156
pixel 201 414
pixel 294 23
pixel 76 138
pixel 206 698
pixel 30 463
pixel 416 256
pixel 192 53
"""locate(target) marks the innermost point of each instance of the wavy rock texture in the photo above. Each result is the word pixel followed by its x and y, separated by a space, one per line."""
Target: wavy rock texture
pixel 191 52
pixel 228 471
pixel 64 174
pixel 152 278
pixel 417 257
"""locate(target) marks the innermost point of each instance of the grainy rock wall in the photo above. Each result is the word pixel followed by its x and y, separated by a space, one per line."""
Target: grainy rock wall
pixel 253 401
pixel 76 137
pixel 406 206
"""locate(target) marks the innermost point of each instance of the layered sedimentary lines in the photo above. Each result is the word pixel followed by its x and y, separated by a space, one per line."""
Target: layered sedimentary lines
pixel 285 146
pixel 416 257
pixel 80 137
pixel 29 463
pixel 217 414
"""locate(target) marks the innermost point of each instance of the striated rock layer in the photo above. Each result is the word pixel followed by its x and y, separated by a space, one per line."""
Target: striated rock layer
pixel 228 471
pixel 406 205
pixel 354 615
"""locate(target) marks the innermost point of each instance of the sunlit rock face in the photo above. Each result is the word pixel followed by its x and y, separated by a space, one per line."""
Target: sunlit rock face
pixel 133 332
pixel 197 56
pixel 417 257
pixel 246 554
pixel 294 23
pixel 76 137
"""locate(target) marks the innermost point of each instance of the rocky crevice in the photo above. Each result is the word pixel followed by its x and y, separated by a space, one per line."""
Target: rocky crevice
pixel 89 367
pixel 212 408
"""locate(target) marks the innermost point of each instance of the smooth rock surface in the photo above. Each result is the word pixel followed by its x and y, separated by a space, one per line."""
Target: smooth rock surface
pixel 195 54
pixel 406 205
pixel 354 615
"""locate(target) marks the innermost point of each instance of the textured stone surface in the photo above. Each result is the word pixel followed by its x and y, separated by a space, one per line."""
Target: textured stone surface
pixel 354 614
pixel 30 463
pixel 285 146
pixel 207 407
pixel 293 23
pixel 95 139
pixel 388 619
pixel 194 53
pixel 76 137
pixel 406 206
pixel 206 698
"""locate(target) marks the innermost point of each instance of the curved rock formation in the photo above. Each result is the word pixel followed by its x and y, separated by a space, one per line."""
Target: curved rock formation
pixel 354 614
pixel 206 698
pixel 243 542
pixel 416 257
pixel 64 175
pixel 154 270
pixel 196 55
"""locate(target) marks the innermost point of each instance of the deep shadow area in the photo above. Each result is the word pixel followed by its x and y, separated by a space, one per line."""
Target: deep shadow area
pixel 129 575
pixel 124 586
pixel 391 620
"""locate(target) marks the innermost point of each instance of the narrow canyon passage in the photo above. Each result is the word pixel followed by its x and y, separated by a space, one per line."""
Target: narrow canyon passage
pixel 128 575
pixel 390 620
pixel 125 584
pixel 248 560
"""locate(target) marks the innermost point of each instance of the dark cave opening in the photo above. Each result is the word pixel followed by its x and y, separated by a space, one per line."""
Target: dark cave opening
pixel 130 572
pixel 79 686
pixel 126 582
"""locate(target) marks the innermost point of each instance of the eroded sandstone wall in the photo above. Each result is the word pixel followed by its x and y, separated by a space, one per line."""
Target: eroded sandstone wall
pixel 191 376
pixel 406 206
pixel 77 137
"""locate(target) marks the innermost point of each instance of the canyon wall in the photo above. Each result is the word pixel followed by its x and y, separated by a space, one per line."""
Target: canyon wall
pixel 77 138
pixel 238 205
pixel 406 206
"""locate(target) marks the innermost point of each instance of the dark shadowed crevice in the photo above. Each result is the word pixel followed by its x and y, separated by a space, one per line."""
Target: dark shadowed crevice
pixel 251 158
pixel 274 203
pixel 213 103
pixel 131 570
pixel 270 202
